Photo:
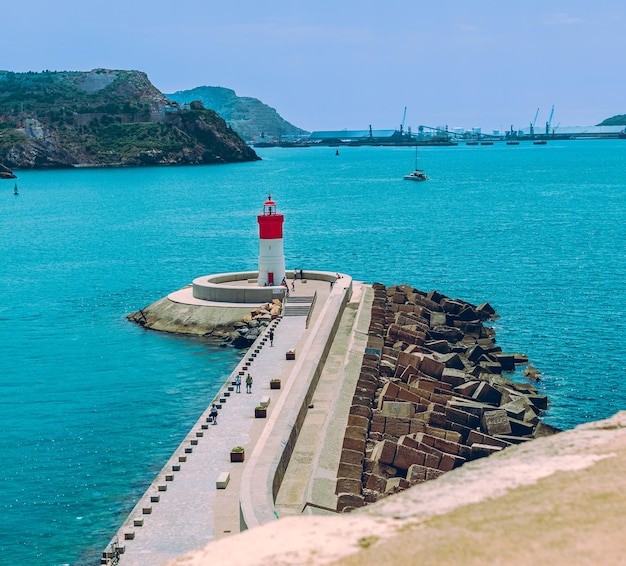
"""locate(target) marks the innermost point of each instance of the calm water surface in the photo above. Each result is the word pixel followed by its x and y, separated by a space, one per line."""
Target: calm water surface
pixel 93 406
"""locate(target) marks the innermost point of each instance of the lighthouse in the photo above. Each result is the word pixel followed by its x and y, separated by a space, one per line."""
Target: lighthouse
pixel 271 255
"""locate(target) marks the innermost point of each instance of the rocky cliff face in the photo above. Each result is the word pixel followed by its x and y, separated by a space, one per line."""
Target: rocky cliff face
pixel 106 118
pixel 249 117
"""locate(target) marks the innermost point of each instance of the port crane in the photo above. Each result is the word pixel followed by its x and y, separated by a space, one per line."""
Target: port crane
pixel 549 122
pixel 532 126
pixel 403 120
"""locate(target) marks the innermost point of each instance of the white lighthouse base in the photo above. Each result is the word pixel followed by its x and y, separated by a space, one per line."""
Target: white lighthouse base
pixel 271 262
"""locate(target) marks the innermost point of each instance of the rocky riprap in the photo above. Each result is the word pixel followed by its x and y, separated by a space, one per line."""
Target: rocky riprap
pixel 244 333
pixel 431 395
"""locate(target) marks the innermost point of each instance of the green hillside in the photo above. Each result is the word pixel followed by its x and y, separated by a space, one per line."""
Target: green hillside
pixel 249 117
pixel 106 118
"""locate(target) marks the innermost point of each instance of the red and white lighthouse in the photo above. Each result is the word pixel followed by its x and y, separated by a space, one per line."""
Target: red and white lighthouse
pixel 271 255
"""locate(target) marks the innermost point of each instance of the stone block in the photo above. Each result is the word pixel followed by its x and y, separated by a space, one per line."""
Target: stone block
pixel 476 437
pixel 384 452
pixel 464 431
pixel 440 398
pixel 354 444
pixel 406 456
pixel 432 473
pixel 520 428
pixel 451 360
pixel 447 446
pixel 496 422
pixel 438 319
pixel 346 501
pixel 355 432
pixel 436 418
pixel 348 485
pixel 485 393
pixel 482 450
pixel 417 425
pixel 361 411
pixel 462 417
pixel 431 460
pixel 448 462
pixel 467 388
pixel 507 361
pixel 416 474
pixel 472 407
pixel 397 427
pixel 376 483
pixel 454 376
pixel 408 440
pixel 394 485
pixel 350 471
pixel 378 423
pixel 540 402
pixel 389 392
pixel 383 470
pixel 409 396
pixel 515 409
pixel 407 359
pixel 358 421
pixel 400 409
pixel 474 353
pixel 352 457
pixel 432 367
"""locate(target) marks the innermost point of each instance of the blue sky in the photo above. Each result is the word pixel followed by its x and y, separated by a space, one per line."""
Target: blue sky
pixel 348 64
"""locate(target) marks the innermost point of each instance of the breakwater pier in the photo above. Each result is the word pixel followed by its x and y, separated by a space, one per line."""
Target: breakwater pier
pixel 380 389
pixel 200 495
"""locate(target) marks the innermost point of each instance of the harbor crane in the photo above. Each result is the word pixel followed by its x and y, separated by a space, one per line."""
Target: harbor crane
pixel 403 120
pixel 532 126
pixel 549 122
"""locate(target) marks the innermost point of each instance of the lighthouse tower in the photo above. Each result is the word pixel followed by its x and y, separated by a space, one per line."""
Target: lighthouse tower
pixel 271 255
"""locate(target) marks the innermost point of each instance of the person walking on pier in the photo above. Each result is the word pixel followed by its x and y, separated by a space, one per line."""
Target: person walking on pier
pixel 213 414
pixel 271 337
pixel 249 384
pixel 238 384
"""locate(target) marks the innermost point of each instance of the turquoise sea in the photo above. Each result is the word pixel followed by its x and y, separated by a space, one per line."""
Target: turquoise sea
pixel 92 406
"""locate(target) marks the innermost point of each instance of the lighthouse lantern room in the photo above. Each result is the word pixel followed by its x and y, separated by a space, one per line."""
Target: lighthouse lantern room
pixel 271 254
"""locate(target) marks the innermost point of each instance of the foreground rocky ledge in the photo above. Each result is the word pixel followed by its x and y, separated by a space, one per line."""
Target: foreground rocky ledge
pixel 561 498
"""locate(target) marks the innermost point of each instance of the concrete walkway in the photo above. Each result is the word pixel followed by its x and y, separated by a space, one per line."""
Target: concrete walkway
pixel 183 510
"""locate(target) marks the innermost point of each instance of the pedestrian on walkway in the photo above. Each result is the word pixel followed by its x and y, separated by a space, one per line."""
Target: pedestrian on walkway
pixel 293 284
pixel 238 384
pixel 249 384
pixel 271 337
pixel 213 414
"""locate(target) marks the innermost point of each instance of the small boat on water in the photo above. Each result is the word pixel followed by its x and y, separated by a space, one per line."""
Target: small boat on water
pixel 540 142
pixel 418 174
pixel 15 191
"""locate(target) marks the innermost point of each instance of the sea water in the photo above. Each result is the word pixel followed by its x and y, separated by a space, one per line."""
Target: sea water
pixel 92 406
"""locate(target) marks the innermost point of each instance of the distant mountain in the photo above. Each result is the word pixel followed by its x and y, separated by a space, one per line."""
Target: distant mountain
pixel 619 120
pixel 249 117
pixel 106 118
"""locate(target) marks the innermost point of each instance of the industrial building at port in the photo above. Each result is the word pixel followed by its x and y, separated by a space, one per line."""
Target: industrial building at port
pixel 444 135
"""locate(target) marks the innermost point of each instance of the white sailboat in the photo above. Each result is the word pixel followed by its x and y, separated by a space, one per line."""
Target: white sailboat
pixel 418 174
